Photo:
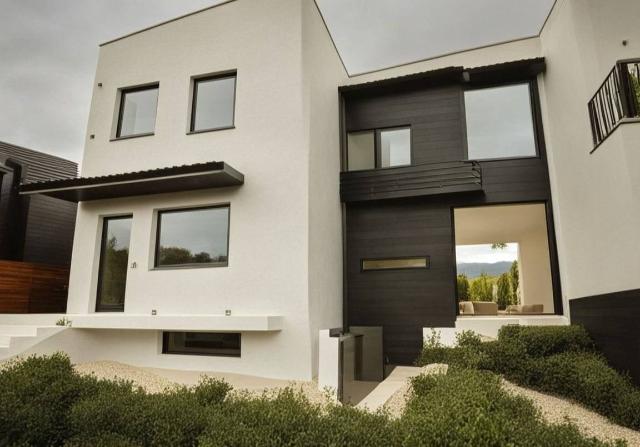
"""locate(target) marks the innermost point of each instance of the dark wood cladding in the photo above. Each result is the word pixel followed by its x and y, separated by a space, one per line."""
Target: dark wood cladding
pixel 612 321
pixel 34 229
pixel 434 114
pixel 409 181
pixel 32 288
pixel 402 212
pixel 401 301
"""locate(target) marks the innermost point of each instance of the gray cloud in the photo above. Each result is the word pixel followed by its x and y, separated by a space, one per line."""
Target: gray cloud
pixel 48 54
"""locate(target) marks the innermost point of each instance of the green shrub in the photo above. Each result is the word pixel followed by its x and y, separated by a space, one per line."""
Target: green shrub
pixel 469 408
pixel 174 418
pixel 541 341
pixel 35 397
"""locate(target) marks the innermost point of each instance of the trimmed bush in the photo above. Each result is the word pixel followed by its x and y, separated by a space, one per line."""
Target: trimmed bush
pixel 542 341
pixel 469 408
pixel 558 359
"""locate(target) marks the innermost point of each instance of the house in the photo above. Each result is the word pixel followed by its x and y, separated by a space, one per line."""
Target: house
pixel 240 191
pixel 36 233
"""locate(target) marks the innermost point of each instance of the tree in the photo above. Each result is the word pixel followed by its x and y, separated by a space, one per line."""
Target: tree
pixel 481 288
pixel 499 246
pixel 514 278
pixel 504 294
pixel 175 256
pixel 463 287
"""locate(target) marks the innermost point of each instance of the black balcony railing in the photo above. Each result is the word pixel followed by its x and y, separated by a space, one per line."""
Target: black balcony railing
pixel 617 99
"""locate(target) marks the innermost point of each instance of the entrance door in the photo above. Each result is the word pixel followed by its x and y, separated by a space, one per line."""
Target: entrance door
pixel 114 262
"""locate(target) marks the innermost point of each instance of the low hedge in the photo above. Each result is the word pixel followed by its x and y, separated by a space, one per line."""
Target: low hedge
pixel 558 359
pixel 43 402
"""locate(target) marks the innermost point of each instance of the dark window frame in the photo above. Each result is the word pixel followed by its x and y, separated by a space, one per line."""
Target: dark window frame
pixel 166 350
pixel 123 92
pixel 105 222
pixel 194 101
pixel 427 258
pixel 377 149
pixel 157 266
pixel 533 104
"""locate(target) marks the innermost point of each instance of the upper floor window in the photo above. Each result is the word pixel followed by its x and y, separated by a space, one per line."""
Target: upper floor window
pixel 213 103
pixel 499 122
pixel 378 148
pixel 137 114
pixel 187 237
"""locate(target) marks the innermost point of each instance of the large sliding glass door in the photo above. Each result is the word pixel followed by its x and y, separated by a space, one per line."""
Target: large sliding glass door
pixel 114 261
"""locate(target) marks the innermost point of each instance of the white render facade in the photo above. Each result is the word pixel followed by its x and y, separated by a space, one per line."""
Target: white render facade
pixel 284 278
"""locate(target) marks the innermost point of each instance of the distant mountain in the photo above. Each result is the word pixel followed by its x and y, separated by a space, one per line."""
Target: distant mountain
pixel 474 269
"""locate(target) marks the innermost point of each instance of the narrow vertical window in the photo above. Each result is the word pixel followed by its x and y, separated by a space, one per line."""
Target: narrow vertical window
pixel 213 103
pixel 395 147
pixel 137 111
pixel 114 260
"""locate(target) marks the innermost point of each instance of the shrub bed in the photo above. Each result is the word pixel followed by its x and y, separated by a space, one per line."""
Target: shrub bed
pixel 558 359
pixel 43 402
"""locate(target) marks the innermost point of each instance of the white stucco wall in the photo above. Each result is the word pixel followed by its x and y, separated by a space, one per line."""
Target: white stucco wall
pixel 284 250
pixel 596 207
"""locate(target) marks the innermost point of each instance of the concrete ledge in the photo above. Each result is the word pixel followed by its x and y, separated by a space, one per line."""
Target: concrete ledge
pixel 240 323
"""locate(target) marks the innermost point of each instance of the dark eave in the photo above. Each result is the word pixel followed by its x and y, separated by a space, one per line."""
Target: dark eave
pixel 487 74
pixel 215 174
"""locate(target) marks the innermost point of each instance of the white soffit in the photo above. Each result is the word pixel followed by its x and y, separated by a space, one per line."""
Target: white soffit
pixel 372 35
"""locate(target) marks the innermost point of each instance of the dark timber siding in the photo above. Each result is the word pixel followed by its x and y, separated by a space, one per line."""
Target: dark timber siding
pixel 35 229
pixel 404 302
pixel 612 320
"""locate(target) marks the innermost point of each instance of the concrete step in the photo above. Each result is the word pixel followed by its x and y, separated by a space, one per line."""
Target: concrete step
pixel 5 341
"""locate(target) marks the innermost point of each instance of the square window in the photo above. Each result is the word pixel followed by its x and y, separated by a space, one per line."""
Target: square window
pixel 499 123
pixel 137 111
pixel 189 237
pixel 395 147
pixel 213 103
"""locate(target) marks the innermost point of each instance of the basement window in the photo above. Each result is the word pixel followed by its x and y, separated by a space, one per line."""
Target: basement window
pixel 201 343
pixel 378 148
pixel 213 105
pixel 418 262
pixel 193 237
pixel 499 123
pixel 137 113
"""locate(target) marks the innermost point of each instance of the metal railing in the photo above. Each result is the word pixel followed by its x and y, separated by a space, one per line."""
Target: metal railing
pixel 617 98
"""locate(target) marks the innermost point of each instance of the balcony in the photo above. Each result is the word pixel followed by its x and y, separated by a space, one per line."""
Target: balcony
pixel 411 181
pixel 616 102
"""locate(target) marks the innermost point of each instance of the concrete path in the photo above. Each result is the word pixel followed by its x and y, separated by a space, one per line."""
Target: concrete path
pixel 388 387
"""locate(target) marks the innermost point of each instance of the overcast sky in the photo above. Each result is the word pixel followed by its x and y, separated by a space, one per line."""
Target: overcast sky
pixel 48 55
pixel 49 48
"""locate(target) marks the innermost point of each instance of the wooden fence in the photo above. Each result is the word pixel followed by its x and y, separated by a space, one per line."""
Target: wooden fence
pixel 32 288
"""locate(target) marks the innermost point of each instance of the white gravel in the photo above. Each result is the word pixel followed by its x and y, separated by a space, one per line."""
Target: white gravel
pixel 557 410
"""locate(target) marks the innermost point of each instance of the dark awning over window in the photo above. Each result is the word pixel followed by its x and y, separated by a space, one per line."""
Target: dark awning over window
pixel 215 174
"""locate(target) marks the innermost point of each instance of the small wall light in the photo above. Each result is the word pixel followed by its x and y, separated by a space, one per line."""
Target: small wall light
pixel 154 312
pixel 99 84
pixel 625 42
pixel 227 312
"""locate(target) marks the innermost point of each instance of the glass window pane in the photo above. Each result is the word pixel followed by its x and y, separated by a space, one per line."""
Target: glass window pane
pixel 197 236
pixel 213 103
pixel 395 147
pixel 138 112
pixel 499 122
pixel 397 263
pixel 201 343
pixel 113 264
pixel 361 150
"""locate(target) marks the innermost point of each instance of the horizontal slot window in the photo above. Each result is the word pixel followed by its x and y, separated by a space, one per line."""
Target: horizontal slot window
pixel 191 237
pixel 201 343
pixel 418 262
